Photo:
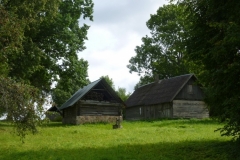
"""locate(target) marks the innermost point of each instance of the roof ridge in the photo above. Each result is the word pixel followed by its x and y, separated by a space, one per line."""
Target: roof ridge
pixel 190 74
pixel 160 80
pixel 79 93
pixel 159 92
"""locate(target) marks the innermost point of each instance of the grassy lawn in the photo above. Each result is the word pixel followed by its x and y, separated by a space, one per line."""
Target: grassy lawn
pixel 165 139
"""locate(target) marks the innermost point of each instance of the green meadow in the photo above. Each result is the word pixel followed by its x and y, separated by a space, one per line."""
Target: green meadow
pixel 139 140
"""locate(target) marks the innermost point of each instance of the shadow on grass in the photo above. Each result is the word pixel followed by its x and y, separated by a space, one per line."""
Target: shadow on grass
pixel 4 123
pixel 212 150
pixel 54 124
pixel 59 124
pixel 171 122
pixel 51 124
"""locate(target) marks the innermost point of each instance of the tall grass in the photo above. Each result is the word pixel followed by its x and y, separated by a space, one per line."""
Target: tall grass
pixel 164 139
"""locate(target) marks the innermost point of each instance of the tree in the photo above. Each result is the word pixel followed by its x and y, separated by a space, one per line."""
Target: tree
pixel 72 78
pixel 163 52
pixel 214 44
pixel 22 104
pixel 109 81
pixel 122 93
pixel 39 34
pixel 35 37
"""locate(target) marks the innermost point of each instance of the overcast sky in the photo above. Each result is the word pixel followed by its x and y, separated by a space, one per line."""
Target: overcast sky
pixel 117 29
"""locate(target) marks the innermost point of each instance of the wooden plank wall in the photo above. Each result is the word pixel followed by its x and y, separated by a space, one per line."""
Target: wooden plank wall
pixel 149 112
pixel 196 94
pixel 90 108
pixel 189 109
pixel 135 113
pixel 69 115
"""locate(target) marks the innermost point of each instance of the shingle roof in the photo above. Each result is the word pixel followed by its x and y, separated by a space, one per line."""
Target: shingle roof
pixel 83 91
pixel 158 92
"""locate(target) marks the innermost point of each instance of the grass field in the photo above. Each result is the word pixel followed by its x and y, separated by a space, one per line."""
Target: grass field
pixel 160 140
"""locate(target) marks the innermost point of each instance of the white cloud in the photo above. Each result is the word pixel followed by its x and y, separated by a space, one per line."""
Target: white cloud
pixel 117 29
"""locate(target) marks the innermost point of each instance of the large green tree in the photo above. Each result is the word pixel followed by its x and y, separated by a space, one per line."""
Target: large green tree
pixel 71 79
pixel 36 36
pixel 163 53
pixel 214 43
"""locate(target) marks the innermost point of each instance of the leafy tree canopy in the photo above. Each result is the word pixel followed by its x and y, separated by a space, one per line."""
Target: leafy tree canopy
pixel 214 44
pixel 35 37
pixel 109 81
pixel 22 104
pixel 70 80
pixel 37 34
pixel 121 92
pixel 163 53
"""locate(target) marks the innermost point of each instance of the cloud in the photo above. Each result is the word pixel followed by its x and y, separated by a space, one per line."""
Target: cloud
pixel 117 29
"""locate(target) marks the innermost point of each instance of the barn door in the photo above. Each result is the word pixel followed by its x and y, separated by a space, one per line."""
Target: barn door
pixel 148 112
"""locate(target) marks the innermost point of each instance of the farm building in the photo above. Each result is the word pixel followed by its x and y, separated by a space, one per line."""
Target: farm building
pixel 177 97
pixel 96 102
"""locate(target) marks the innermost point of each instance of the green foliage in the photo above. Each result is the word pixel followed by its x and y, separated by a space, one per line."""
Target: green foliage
pixel 35 35
pixel 121 92
pixel 214 44
pixel 22 104
pixel 53 116
pixel 109 81
pixel 163 52
pixel 165 139
pixel 72 78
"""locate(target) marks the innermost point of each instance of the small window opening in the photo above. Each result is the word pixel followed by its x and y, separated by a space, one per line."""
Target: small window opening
pixel 190 89
pixel 140 111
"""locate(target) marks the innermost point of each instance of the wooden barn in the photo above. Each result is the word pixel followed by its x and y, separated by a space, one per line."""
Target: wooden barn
pixel 96 102
pixel 177 97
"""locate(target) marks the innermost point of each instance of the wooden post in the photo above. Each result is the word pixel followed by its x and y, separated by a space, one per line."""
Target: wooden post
pixel 118 124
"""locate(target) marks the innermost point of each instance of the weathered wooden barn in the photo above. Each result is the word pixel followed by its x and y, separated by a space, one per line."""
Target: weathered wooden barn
pixel 177 97
pixel 96 102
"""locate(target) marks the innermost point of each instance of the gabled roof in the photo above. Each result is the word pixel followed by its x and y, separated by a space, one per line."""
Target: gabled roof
pixel 53 109
pixel 86 89
pixel 158 92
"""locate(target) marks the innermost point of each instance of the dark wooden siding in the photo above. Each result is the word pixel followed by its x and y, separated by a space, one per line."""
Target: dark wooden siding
pixel 96 108
pixel 149 112
pixel 189 109
pixel 196 93
pixel 92 109
pixel 88 110
pixel 135 113
pixel 69 115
